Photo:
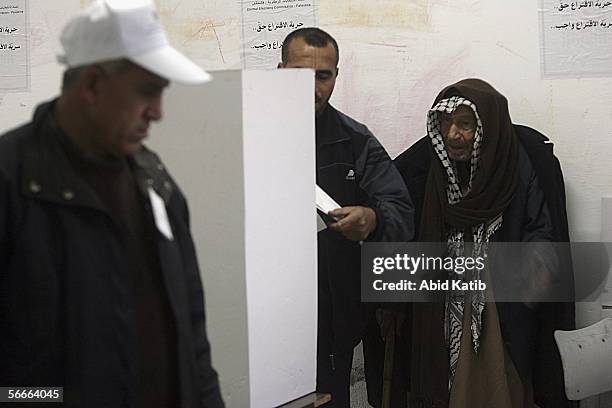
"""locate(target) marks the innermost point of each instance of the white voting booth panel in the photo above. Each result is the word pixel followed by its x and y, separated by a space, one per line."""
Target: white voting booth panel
pixel 242 148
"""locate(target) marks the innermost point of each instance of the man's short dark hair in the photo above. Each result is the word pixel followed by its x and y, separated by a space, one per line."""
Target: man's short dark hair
pixel 313 36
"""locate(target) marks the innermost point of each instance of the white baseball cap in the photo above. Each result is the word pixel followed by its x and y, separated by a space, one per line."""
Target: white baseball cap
pixel 114 29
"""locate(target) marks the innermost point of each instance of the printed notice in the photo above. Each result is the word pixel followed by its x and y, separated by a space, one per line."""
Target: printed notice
pixel 14 56
pixel 576 38
pixel 266 23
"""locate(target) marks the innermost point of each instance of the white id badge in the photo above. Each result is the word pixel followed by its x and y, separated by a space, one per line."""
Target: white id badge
pixel 159 213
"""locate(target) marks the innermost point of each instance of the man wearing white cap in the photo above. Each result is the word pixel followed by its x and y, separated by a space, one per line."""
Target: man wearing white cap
pixel 100 290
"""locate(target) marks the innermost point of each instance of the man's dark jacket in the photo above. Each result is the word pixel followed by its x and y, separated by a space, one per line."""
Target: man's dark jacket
pixel 537 213
pixel 66 309
pixel 354 169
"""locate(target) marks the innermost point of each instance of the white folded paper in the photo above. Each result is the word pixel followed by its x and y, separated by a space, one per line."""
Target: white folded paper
pixel 324 202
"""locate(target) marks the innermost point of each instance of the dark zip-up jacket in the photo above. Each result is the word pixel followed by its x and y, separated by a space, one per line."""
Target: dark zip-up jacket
pixel 66 309
pixel 355 170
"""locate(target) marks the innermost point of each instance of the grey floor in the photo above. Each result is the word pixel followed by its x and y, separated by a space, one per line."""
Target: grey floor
pixel 359 397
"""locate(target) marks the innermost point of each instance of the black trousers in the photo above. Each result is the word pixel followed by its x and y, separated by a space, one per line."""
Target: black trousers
pixel 334 373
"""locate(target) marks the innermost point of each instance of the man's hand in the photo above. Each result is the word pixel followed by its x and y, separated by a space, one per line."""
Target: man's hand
pixel 355 223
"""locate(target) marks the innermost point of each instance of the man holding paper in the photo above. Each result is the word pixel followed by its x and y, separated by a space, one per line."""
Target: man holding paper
pixel 355 171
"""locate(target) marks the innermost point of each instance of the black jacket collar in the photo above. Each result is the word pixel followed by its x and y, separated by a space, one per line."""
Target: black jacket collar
pixel 47 174
pixel 329 127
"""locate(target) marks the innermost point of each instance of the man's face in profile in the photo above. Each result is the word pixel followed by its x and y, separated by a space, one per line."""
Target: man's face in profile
pixel 323 60
pixel 124 107
pixel 458 130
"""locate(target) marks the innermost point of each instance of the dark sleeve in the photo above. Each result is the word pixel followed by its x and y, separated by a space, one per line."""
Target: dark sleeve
pixel 210 394
pixel 541 258
pixel 537 224
pixel 546 270
pixel 387 194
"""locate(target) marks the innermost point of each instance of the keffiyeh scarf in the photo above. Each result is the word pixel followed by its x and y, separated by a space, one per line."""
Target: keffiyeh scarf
pixel 481 233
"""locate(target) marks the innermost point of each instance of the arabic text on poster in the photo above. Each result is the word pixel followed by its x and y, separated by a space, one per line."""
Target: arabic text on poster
pixel 14 58
pixel 266 23
pixel 576 38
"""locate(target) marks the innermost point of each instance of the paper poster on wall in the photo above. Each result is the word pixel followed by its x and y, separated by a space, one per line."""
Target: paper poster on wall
pixel 14 56
pixel 266 23
pixel 576 38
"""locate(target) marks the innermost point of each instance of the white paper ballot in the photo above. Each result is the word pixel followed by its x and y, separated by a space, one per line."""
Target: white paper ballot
pixel 159 213
pixel 320 224
pixel 324 202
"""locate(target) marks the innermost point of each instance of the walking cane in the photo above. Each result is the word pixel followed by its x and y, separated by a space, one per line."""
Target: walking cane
pixel 388 370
